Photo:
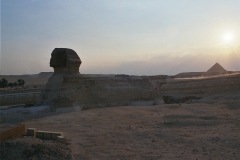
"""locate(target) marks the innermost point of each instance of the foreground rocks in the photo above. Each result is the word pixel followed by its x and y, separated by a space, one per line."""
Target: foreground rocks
pixel 26 148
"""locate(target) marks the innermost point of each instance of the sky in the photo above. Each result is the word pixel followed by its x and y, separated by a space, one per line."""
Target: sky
pixel 136 37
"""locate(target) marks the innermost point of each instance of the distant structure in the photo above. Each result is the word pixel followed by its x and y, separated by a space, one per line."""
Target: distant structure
pixel 215 80
pixel 217 68
pixel 65 61
pixel 214 70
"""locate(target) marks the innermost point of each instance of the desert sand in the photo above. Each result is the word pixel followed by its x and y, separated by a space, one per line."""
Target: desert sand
pixel 206 129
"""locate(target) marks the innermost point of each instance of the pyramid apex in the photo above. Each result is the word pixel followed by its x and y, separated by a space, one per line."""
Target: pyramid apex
pixel 217 68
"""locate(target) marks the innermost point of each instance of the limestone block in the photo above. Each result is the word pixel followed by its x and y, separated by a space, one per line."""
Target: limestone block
pixel 31 132
pixel 61 139
pixel 56 134
pixel 47 135
pixel 11 131
pixel 40 134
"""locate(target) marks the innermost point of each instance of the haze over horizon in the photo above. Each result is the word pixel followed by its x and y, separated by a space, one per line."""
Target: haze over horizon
pixel 135 37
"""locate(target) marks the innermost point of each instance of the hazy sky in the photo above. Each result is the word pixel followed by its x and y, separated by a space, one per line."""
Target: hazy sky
pixel 141 37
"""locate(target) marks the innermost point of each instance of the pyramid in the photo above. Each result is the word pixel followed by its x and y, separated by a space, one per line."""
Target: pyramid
pixel 216 68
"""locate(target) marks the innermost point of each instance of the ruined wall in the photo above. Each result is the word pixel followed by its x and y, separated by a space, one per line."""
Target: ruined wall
pixel 19 98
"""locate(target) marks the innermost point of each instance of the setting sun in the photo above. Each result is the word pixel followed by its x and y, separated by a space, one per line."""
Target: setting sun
pixel 228 37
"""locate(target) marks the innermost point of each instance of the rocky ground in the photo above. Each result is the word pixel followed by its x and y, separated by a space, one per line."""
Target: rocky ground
pixel 26 148
pixel 208 128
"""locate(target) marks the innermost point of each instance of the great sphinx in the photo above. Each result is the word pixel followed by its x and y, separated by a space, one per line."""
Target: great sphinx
pixel 67 87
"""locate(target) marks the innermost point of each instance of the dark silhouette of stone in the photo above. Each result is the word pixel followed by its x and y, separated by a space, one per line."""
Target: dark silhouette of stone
pixel 65 61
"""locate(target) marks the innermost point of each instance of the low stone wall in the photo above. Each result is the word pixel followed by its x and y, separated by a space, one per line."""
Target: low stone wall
pixel 19 98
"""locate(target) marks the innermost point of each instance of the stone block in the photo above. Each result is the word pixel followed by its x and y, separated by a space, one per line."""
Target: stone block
pixel 40 134
pixel 47 135
pixel 12 131
pixel 31 132
pixel 55 134
pixel 61 139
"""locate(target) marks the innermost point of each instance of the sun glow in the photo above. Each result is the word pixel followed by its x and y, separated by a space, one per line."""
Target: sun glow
pixel 228 37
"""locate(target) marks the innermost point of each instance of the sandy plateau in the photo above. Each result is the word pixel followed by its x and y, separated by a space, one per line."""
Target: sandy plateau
pixel 206 129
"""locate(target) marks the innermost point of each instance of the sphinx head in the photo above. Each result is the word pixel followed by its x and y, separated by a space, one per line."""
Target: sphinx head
pixel 65 60
pixel 58 58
